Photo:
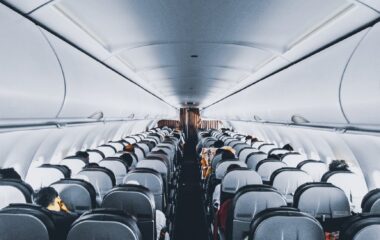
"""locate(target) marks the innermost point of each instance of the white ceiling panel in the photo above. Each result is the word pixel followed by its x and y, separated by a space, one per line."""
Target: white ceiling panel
pixel 234 41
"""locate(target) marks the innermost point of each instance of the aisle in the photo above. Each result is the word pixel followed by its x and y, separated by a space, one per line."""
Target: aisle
pixel 190 222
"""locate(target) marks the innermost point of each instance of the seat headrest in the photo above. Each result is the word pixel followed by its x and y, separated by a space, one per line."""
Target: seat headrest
pixel 101 169
pixel 322 200
pixel 26 221
pixel 361 227
pixel 64 169
pixel 285 223
pixel 105 224
pixel 134 199
pixel 14 191
pixel 371 201
pixel 73 193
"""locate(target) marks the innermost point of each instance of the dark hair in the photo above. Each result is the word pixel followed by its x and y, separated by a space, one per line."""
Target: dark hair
pixel 127 158
pixel 219 151
pixel 218 144
pixel 288 147
pixel 91 164
pixel 45 196
pixel 82 154
pixel 9 173
pixel 228 155
pixel 232 167
pixel 248 137
pixel 338 165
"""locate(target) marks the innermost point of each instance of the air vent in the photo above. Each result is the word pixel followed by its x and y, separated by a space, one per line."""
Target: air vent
pixel 297 119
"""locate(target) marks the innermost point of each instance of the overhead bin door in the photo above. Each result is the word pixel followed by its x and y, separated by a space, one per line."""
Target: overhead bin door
pixel 31 80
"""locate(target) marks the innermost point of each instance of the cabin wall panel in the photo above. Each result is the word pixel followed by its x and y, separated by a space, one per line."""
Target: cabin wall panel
pixel 31 80
pixel 360 92
pixel 24 148
pixel 360 150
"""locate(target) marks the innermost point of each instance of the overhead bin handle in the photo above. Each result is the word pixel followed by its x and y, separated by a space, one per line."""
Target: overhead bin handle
pixel 97 115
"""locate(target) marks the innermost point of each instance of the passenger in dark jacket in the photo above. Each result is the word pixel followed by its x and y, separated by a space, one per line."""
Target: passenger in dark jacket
pixel 48 198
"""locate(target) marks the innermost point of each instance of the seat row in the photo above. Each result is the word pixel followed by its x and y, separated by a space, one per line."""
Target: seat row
pixel 320 205
pixel 104 182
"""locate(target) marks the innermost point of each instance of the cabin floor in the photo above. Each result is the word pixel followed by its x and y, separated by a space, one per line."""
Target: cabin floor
pixel 190 220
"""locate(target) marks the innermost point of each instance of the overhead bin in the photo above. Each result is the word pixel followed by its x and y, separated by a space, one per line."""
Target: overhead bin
pixel 94 90
pixel 360 92
pixel 308 89
pixel 31 80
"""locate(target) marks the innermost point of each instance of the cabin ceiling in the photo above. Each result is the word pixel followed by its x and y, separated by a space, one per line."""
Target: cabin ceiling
pixel 194 50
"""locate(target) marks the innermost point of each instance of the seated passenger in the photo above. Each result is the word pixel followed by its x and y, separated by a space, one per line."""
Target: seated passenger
pixel 128 159
pixel 83 155
pixel 338 165
pixel 288 147
pixel 218 144
pixel 221 216
pixel 9 173
pixel 160 219
pixel 129 148
pixel 229 154
pixel 48 198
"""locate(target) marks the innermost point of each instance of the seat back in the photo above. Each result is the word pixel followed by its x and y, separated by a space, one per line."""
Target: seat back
pixel 107 150
pixel 325 202
pixel 103 224
pixel 152 180
pixel 135 200
pixel 248 201
pixel 266 147
pixel 292 159
pixel 371 201
pixel 62 168
pixel 361 227
pixel 14 191
pixel 265 168
pixel 221 168
pixel 354 186
pixel 254 158
pixel 315 169
pixel 77 194
pixel 43 176
pixel 74 163
pixel 25 222
pixel 158 166
pixel 287 180
pixel 102 179
pixel 285 223
pixel 118 167
pixel 95 155
pixel 236 179
pixel 244 152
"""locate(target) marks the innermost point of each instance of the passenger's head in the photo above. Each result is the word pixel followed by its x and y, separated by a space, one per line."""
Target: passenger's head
pixel 218 144
pixel 92 164
pixel 288 147
pixel 129 148
pixel 9 173
pixel 338 165
pixel 248 137
pixel 232 167
pixel 228 155
pixel 127 158
pixel 83 155
pixel 48 197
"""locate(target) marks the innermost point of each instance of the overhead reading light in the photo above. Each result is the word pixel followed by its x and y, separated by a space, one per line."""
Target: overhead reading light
pixel 194 56
pixel 297 119
pixel 96 115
